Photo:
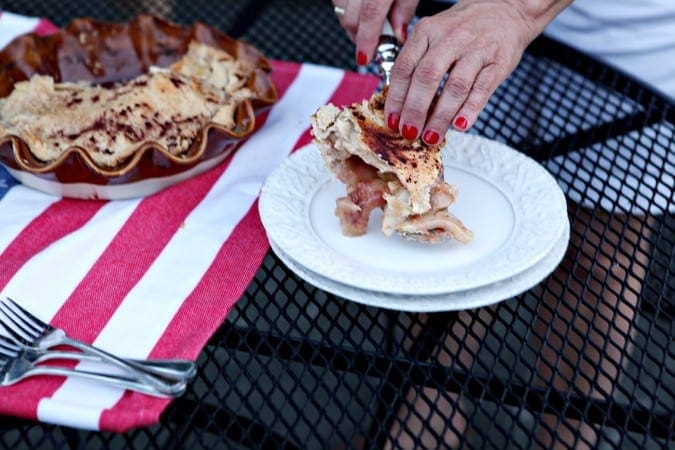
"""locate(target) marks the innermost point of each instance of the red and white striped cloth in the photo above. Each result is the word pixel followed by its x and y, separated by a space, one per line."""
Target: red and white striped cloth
pixel 151 277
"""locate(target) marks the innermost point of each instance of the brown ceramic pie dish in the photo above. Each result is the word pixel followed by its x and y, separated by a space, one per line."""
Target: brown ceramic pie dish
pixel 107 53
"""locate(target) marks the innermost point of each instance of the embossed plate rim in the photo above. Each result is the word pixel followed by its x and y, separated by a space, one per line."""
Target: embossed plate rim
pixel 452 301
pixel 539 207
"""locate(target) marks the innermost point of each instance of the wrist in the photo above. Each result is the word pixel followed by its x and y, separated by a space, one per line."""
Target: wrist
pixel 537 14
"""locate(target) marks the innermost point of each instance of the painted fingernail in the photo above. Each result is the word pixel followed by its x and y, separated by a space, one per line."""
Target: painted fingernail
pixel 409 132
pixel 461 123
pixel 431 137
pixel 393 120
pixel 361 58
pixel 404 31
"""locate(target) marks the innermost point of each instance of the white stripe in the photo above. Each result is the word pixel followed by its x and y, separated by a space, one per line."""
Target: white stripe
pixel 13 25
pixel 18 208
pixel 46 281
pixel 20 205
pixel 142 318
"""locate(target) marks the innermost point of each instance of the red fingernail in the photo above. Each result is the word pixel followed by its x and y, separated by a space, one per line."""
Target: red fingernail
pixel 461 123
pixel 404 31
pixel 361 58
pixel 409 132
pixel 393 120
pixel 431 137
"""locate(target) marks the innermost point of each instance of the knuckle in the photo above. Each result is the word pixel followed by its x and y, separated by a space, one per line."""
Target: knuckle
pixel 457 87
pixel 395 99
pixel 474 103
pixel 482 87
pixel 349 24
pixel 416 112
pixel 403 67
pixel 425 25
pixel 369 10
pixel 429 73
pixel 443 117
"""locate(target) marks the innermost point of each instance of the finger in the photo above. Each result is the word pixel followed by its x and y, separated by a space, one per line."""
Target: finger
pixel 349 19
pixel 371 19
pixel 483 87
pixel 423 88
pixel 401 77
pixel 457 88
pixel 400 15
pixel 339 7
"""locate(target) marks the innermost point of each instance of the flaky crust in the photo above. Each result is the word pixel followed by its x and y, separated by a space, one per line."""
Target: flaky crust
pixel 383 170
pixel 361 130
pixel 167 107
pixel 106 53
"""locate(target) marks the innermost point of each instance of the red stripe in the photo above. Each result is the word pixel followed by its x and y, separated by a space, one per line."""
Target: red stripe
pixel 283 75
pixel 45 27
pixel 136 410
pixel 200 315
pixel 166 210
pixel 137 244
pixel 220 288
pixel 58 220
pixel 159 215
pixel 223 283
pixel 353 88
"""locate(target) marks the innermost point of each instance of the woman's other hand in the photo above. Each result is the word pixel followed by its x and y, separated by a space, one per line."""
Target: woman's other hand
pixel 363 21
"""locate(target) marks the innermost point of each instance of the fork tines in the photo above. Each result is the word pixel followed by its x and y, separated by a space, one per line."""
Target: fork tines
pixel 18 322
pixel 8 347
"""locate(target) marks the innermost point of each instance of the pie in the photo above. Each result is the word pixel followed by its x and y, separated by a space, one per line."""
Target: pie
pixel 167 107
pixel 383 170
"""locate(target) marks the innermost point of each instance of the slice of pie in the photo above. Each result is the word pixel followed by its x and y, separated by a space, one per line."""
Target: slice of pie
pixel 383 170
pixel 167 107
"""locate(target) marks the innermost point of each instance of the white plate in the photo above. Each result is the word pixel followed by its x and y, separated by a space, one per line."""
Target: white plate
pixel 469 299
pixel 514 207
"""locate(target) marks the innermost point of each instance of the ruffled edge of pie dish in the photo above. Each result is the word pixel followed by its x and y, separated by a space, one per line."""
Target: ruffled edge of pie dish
pixel 153 42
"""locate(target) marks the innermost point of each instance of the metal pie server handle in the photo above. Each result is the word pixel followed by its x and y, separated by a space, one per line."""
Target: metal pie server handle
pixel 387 50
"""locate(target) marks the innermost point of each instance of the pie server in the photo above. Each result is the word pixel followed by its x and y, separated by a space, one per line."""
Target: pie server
pixel 387 50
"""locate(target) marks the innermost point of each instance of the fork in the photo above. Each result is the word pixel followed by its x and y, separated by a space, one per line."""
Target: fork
pixel 171 369
pixel 35 333
pixel 14 367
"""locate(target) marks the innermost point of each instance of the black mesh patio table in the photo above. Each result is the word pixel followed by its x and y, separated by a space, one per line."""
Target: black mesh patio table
pixel 584 359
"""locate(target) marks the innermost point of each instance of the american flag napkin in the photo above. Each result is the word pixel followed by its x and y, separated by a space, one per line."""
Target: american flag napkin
pixel 150 277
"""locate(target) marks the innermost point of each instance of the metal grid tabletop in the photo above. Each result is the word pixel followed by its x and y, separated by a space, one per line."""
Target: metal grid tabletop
pixel 584 359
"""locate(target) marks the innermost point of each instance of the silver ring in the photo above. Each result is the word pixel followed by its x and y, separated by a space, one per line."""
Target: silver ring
pixel 339 11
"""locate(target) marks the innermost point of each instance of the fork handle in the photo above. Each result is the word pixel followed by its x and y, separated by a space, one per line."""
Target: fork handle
pixel 131 368
pixel 171 369
pixel 112 380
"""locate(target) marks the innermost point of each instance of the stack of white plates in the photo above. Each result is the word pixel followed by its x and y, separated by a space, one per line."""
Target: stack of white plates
pixel 512 204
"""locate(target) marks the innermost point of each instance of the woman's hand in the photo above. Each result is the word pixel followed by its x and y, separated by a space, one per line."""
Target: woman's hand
pixel 477 43
pixel 363 21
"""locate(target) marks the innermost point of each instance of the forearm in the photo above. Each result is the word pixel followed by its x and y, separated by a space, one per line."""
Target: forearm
pixel 538 13
pixel 535 15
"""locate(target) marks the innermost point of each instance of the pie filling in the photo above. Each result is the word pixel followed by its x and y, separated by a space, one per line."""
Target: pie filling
pixel 382 170
pixel 367 190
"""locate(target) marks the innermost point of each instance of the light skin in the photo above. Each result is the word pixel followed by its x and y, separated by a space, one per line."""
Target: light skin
pixel 478 43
